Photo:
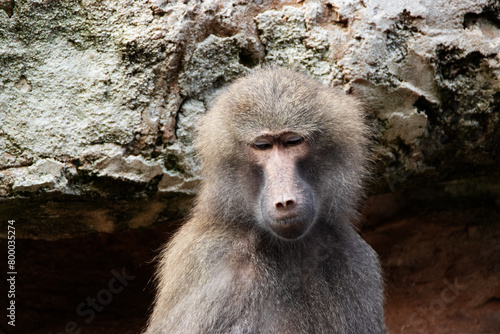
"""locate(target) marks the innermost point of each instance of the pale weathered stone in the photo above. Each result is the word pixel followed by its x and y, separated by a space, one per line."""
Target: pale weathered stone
pixel 407 127
pixel 133 168
pixel 100 95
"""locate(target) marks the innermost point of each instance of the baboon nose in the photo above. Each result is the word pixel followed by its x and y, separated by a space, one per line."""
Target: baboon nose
pixel 284 203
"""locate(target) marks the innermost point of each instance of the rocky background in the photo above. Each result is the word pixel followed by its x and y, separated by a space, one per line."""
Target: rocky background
pixel 98 100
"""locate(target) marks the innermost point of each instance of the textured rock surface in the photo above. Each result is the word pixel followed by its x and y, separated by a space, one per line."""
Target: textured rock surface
pixel 99 89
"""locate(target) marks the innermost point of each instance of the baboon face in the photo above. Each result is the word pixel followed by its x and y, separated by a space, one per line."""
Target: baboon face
pixel 281 152
pixel 285 201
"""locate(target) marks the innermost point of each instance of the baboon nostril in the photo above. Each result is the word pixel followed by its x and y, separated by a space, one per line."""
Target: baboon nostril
pixel 284 204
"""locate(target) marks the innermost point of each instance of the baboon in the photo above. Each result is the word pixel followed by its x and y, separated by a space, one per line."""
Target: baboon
pixel 270 245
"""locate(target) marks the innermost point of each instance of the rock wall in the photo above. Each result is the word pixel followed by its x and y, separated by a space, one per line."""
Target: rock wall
pixel 102 95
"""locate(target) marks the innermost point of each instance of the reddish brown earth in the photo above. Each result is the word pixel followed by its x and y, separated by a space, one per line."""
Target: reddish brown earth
pixel 442 268
pixel 441 260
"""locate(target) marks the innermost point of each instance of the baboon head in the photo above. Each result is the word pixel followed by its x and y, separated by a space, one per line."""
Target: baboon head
pixel 281 152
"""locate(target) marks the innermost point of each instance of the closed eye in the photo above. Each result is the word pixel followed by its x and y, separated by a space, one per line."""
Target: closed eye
pixel 293 140
pixel 262 144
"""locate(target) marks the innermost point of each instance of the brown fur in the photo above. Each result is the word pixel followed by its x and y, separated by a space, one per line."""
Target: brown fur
pixel 224 272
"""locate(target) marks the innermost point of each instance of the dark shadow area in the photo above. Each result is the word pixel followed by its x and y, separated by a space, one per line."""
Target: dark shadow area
pixel 440 252
pixel 99 283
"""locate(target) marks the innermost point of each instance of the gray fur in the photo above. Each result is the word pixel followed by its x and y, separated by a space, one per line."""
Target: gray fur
pixel 222 273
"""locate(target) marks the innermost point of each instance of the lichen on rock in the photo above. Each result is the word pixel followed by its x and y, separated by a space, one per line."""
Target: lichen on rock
pixel 111 93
